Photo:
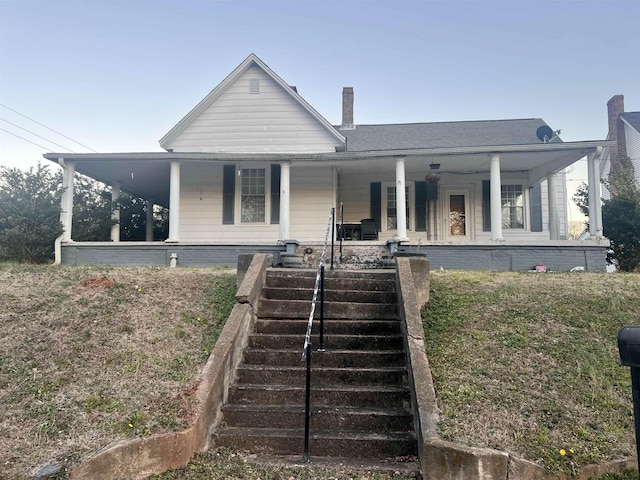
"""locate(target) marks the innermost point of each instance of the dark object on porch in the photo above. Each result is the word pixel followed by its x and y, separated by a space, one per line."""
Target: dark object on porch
pixel 349 231
pixel 629 348
pixel 368 230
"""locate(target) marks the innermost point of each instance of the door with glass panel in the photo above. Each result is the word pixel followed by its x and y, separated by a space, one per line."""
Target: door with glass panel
pixel 457 215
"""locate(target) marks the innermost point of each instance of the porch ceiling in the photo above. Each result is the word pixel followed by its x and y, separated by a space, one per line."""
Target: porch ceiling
pixel 147 174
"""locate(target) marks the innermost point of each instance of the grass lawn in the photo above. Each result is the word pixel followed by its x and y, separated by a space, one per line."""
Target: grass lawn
pixel 91 355
pixel 528 363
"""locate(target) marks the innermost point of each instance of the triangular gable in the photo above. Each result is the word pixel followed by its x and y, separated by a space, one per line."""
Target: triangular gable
pixel 226 115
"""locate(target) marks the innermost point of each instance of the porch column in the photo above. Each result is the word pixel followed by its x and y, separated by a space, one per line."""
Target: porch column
pixel 285 180
pixel 174 202
pixel 115 212
pixel 591 180
pixel 595 200
pixel 401 200
pixel 66 214
pixel 495 198
pixel 149 225
pixel 552 195
pixel 597 194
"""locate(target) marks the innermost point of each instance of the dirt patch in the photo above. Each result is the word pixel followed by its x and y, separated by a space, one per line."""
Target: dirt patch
pixel 100 283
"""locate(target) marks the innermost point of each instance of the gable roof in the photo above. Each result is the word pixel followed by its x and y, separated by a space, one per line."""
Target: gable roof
pixel 406 136
pixel 251 60
pixel 632 119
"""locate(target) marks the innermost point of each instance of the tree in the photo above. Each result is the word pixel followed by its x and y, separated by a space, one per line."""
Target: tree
pixel 621 221
pixel 91 211
pixel 581 199
pixel 29 214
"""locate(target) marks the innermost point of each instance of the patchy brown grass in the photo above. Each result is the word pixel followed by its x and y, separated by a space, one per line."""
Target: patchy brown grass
pixel 91 355
pixel 529 364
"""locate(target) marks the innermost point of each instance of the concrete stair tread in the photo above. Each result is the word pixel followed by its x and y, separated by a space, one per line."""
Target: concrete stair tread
pixel 326 388
pixel 316 434
pixel 327 369
pixel 329 358
pixel 316 321
pixel 343 409
pixel 337 351
pixel 342 335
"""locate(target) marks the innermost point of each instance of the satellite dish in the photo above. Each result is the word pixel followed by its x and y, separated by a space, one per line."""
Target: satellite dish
pixel 544 133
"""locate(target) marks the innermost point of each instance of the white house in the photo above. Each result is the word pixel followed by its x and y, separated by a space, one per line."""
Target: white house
pixel 253 164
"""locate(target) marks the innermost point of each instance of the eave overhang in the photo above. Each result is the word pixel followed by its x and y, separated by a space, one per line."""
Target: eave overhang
pixel 147 173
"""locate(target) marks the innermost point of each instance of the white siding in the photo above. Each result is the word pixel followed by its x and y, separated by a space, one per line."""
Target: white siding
pixel 311 201
pixel 242 122
pixel 633 148
pixel 201 210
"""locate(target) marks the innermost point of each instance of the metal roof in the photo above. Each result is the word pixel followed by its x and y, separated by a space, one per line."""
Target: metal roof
pixel 404 136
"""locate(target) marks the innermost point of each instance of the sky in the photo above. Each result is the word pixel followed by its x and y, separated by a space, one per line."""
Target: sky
pixel 117 75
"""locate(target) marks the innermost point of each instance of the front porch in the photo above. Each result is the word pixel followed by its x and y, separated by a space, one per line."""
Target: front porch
pixel 504 256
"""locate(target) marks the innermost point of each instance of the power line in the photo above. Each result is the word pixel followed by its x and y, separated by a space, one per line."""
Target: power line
pixel 48 128
pixel 22 138
pixel 33 133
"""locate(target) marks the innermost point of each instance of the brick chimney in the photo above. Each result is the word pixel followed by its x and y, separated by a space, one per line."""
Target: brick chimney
pixel 347 107
pixel 618 154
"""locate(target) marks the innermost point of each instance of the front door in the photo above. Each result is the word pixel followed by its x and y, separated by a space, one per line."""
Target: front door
pixel 457 215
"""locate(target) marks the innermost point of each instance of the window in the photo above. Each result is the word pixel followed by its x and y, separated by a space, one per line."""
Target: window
pixel 253 197
pixel 391 222
pixel 512 206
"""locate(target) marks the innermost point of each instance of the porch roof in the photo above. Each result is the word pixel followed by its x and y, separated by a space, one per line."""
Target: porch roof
pixel 147 173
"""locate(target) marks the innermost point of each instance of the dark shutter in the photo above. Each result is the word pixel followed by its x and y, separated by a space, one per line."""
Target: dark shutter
pixel 421 206
pixel 486 205
pixel 376 203
pixel 228 193
pixel 535 194
pixel 275 193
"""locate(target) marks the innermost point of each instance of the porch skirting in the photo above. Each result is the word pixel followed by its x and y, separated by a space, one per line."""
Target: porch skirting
pixel 557 256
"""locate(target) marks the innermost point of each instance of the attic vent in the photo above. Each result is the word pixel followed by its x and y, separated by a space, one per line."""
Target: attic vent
pixel 254 85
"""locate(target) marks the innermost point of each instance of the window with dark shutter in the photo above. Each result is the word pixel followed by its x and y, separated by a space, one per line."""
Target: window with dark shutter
pixel 486 205
pixel 376 203
pixel 228 194
pixel 535 193
pixel 275 193
pixel 421 206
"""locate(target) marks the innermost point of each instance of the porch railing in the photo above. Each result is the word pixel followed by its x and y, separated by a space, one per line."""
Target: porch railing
pixel 306 351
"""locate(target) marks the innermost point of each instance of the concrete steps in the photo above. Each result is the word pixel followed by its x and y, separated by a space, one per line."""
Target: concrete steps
pixel 360 401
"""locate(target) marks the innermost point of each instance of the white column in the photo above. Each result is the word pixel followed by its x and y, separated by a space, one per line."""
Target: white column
pixel 401 200
pixel 285 180
pixel 149 230
pixel 591 180
pixel 597 194
pixel 552 195
pixel 66 216
pixel 495 195
pixel 115 212
pixel 174 202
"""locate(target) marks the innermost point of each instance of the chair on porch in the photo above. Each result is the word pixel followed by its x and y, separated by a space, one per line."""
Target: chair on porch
pixel 368 230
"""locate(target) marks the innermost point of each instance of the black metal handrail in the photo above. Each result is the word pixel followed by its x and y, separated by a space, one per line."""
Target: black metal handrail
pixel 306 351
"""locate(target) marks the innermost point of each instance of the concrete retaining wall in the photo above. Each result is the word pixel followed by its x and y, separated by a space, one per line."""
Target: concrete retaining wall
pixel 141 457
